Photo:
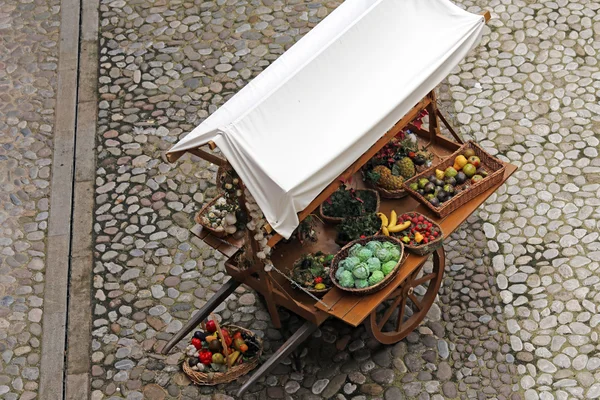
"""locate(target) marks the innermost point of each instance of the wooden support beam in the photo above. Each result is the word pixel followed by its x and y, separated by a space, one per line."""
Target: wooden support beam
pixel 356 166
pixel 208 157
pixel 486 14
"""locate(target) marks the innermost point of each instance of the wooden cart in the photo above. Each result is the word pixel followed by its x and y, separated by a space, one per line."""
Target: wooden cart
pixel 390 314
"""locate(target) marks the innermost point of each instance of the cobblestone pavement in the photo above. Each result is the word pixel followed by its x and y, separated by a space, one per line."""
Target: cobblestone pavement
pixel 516 317
pixel 29 33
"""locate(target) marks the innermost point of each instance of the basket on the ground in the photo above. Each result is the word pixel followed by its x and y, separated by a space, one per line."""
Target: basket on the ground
pixel 343 253
pixel 234 372
pixel 337 220
pixel 493 166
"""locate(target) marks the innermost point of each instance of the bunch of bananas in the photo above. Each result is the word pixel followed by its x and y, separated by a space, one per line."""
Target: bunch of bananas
pixel 389 225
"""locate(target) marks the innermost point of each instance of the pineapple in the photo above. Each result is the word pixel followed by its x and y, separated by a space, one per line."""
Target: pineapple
pixel 386 179
pixel 406 168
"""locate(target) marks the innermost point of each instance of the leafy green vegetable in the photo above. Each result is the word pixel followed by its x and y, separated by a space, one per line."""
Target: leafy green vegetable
pixel 388 267
pixel 375 278
pixel 388 245
pixel 383 254
pixel 361 283
pixel 365 254
pixel 347 279
pixel 395 253
pixel 361 271
pixel 350 203
pixel 351 262
pixel 352 228
pixel 374 264
pixel 374 245
pixel 338 273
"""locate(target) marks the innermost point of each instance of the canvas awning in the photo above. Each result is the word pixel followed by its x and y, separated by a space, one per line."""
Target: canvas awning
pixel 299 124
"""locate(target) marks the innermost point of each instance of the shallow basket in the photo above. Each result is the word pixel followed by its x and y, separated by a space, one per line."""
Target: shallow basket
pixel 215 378
pixel 343 253
pixel 337 220
pixel 427 248
pixel 493 166
pixel 317 293
pixel 203 211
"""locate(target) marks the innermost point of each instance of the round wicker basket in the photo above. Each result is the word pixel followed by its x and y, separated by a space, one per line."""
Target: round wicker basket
pixel 233 372
pixel 426 248
pixel 343 253
pixel 314 292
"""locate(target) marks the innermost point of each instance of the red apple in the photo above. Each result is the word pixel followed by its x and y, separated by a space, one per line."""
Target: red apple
pixel 475 161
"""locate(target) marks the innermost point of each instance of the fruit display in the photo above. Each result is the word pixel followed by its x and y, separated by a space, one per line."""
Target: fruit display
pixel 367 265
pixel 311 271
pixel 349 203
pixel 397 161
pixel 221 216
pixel 390 225
pixel 457 179
pixel 213 351
pixel 417 230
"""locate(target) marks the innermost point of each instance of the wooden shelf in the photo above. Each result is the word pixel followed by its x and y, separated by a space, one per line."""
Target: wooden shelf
pixel 227 245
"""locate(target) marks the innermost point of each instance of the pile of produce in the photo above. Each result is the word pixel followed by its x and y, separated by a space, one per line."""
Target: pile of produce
pixel 350 203
pixel 412 228
pixel 311 271
pixel 396 162
pixel 367 265
pixel 444 185
pixel 206 350
pixel 353 228
pixel 221 216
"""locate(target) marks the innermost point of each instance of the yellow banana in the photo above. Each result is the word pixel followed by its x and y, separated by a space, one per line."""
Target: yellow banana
pixel 400 227
pixel 393 219
pixel 385 231
pixel 384 219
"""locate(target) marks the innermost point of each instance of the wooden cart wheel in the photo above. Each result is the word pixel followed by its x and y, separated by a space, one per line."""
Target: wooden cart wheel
pixel 407 306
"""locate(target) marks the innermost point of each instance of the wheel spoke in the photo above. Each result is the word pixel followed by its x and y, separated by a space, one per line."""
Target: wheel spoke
pixel 389 312
pixel 401 312
pixel 423 279
pixel 415 301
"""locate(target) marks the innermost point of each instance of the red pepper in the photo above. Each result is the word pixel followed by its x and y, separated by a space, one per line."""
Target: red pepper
pixel 226 336
pixel 205 356
pixel 318 279
pixel 211 327
pixel 197 343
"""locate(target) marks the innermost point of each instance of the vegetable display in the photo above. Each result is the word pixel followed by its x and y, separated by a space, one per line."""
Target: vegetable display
pixel 207 352
pixel 350 203
pixel 311 271
pixel 367 265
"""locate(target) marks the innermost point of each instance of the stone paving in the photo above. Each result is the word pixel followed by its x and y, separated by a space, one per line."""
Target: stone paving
pixel 516 317
pixel 29 33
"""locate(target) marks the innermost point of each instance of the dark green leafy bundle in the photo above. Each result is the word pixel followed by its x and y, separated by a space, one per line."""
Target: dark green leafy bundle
pixel 356 227
pixel 350 203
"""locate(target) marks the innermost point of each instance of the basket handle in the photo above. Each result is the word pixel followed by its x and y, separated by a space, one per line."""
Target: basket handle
pixel 220 337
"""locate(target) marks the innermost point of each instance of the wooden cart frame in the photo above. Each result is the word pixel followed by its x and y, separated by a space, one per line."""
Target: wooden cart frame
pixel 406 300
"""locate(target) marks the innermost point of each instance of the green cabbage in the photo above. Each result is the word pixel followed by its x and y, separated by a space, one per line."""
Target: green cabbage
pixel 388 267
pixel 374 264
pixel 361 271
pixel 354 250
pixel 395 253
pixel 383 254
pixel 375 278
pixel 351 262
pixel 361 283
pixel 373 245
pixel 342 264
pixel 365 254
pixel 338 273
pixel 388 245
pixel 346 279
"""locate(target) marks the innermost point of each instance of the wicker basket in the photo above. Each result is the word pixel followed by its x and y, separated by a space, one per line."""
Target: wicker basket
pixel 427 248
pixel 337 220
pixel 343 253
pixel 489 163
pixel 314 292
pixel 203 211
pixel 233 373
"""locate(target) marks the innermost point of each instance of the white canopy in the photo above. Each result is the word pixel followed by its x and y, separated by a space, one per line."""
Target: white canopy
pixel 313 112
